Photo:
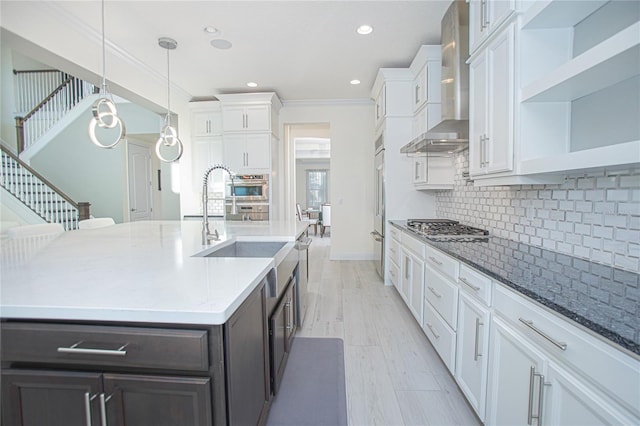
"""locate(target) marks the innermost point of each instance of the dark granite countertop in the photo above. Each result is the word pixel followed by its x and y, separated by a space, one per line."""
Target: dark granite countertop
pixel 602 298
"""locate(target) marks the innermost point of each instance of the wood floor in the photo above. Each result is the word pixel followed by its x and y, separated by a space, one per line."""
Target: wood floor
pixel 393 374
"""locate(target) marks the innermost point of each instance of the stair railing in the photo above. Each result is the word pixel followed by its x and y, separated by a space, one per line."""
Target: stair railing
pixel 40 195
pixel 49 110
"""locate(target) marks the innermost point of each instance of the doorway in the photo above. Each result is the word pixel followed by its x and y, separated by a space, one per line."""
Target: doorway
pixel 140 182
pixel 311 146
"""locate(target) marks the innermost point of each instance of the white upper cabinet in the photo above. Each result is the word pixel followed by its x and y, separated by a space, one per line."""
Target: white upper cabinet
pixel 485 17
pixel 391 93
pixel 492 107
pixel 253 118
pixel 206 119
pixel 246 153
pixel 250 112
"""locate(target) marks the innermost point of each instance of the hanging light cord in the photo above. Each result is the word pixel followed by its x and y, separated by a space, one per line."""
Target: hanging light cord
pixel 105 114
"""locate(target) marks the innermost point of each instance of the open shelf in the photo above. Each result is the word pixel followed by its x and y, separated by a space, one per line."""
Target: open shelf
pixel 606 156
pixel 612 61
pixel 558 14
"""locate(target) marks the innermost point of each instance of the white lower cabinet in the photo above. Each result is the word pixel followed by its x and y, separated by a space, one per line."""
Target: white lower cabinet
pixel 472 352
pixel 441 336
pixel 413 282
pixel 514 383
pixel 516 362
pixel 568 401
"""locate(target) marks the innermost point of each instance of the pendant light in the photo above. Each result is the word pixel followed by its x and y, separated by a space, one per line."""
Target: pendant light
pixel 168 134
pixel 105 114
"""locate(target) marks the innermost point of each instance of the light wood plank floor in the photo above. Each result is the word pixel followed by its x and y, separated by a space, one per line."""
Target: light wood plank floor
pixel 393 374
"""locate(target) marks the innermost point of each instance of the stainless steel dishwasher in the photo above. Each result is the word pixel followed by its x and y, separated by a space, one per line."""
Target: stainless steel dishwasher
pixel 302 276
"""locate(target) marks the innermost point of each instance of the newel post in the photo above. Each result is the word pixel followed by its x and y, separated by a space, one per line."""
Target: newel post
pixel 84 210
pixel 20 134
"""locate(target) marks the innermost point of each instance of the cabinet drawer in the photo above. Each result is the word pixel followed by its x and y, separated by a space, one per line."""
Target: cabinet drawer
pixel 443 295
pixel 394 232
pixel 475 283
pixel 394 273
pixel 610 369
pixel 394 251
pixel 413 244
pixel 105 346
pixel 443 263
pixel 441 336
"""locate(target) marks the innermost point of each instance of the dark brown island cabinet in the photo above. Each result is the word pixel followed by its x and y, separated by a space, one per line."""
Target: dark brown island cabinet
pixel 106 374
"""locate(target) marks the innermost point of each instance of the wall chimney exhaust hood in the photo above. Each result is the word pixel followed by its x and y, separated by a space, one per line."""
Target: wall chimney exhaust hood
pixel 452 133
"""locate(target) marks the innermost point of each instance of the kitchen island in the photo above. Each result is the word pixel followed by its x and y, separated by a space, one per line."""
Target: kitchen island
pixel 131 322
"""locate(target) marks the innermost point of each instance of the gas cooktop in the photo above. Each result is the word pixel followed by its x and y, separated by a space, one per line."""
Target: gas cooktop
pixel 446 230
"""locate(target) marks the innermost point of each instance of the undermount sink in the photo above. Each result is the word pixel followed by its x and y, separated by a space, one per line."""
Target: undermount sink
pixel 247 249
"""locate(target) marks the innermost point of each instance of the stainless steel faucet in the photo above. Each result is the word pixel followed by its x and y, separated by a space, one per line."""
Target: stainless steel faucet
pixel 206 233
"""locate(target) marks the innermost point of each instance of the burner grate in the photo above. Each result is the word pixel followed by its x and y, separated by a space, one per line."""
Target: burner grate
pixel 445 229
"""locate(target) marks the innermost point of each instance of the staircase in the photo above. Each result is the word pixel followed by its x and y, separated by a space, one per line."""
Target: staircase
pixel 39 194
pixel 47 96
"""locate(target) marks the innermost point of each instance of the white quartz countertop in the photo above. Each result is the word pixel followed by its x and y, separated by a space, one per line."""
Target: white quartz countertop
pixel 134 272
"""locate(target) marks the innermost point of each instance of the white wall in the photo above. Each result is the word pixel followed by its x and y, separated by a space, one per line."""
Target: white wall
pixel 352 150
pixel 88 173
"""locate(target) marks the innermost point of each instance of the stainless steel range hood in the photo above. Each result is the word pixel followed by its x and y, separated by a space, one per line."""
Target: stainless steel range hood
pixel 452 133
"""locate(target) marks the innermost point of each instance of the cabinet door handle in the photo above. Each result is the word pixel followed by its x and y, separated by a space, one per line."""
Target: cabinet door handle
pixel 438 295
pixel 103 408
pixel 417 94
pixel 436 261
pixel 528 323
pixel 437 336
pixel 87 407
pixel 483 15
pixel 473 287
pixel 532 379
pixel 74 349
pixel 476 353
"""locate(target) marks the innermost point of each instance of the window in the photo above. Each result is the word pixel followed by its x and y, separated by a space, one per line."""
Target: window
pixel 317 188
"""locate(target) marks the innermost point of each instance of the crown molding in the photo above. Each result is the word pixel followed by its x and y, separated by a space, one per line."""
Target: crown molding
pixel 327 102
pixel 64 17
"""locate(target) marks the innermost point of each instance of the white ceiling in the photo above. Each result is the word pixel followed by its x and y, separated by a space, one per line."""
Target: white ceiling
pixel 300 49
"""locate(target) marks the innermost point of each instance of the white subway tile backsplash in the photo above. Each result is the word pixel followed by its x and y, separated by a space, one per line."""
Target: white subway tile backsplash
pixel 593 215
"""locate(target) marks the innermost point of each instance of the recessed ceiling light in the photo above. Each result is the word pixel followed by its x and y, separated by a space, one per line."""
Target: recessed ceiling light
pixel 364 29
pixel 252 84
pixel 221 43
pixel 211 30
pixel 355 82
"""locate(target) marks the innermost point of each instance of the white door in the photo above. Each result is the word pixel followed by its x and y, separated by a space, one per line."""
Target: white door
pixel 140 183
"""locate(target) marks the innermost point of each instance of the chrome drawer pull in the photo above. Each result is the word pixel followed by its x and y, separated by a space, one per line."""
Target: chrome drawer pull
pixel 74 349
pixel 434 260
pixel 432 290
pixel 464 280
pixel 433 331
pixel 559 345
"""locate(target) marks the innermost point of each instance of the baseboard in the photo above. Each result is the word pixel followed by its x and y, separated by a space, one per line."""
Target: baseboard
pixel 351 256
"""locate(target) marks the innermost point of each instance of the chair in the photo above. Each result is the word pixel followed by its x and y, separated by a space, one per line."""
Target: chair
pixel 326 218
pixel 313 222
pixel 34 230
pixel 96 222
